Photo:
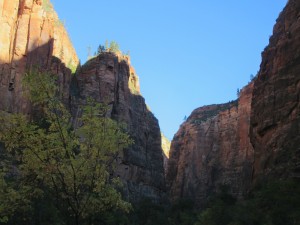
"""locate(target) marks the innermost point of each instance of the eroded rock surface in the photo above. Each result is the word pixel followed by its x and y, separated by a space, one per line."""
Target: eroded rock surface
pixel 31 36
pixel 275 116
pixel 255 140
pixel 212 149
pixel 110 79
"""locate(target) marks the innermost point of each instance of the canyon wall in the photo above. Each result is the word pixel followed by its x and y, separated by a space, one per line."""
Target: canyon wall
pixel 31 36
pixel 235 144
pixel 212 149
pixel 275 111
pixel 110 79
pixel 257 139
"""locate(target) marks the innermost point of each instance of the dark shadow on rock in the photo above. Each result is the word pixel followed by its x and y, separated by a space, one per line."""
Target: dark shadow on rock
pixel 106 78
pixel 12 73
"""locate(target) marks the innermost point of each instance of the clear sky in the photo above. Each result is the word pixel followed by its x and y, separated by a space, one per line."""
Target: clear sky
pixel 187 53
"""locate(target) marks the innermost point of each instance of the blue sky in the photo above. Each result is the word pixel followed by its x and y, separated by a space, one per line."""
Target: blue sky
pixel 187 53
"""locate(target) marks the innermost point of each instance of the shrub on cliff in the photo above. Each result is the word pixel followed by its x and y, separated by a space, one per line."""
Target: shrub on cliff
pixel 101 49
pixel 114 47
pixel 54 170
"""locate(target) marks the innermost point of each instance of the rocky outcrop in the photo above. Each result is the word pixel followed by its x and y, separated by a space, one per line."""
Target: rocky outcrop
pixel 212 149
pixel 110 79
pixel 275 116
pixel 31 36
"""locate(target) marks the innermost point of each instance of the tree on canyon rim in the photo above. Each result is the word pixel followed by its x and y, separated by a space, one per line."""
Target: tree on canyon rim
pixel 47 156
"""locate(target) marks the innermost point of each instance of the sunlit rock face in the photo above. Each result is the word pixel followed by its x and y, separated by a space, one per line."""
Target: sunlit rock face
pixel 275 116
pixel 110 79
pixel 165 145
pixel 31 36
pixel 212 149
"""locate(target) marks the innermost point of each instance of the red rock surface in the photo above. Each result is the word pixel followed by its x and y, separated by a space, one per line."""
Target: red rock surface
pixel 275 116
pixel 110 79
pixel 212 149
pixel 257 140
pixel 31 35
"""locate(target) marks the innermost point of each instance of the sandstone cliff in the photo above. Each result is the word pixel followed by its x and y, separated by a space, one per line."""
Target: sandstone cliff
pixel 212 149
pixel 259 138
pixel 275 115
pixel 109 78
pixel 31 35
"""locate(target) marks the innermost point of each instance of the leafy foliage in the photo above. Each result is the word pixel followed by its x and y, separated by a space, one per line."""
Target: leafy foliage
pixel 114 47
pixel 147 212
pixel 50 157
pixel 54 173
pixel 275 203
pixel 101 49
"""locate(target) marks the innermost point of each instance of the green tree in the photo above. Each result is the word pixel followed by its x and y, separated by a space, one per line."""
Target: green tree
pixel 101 49
pixel 73 165
pixel 238 93
pixel 114 47
pixel 9 195
pixel 273 203
pixel 252 77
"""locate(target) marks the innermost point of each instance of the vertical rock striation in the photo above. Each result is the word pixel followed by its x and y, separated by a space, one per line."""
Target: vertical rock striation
pixel 31 36
pixel 109 78
pixel 275 116
pixel 212 149
pixel 259 139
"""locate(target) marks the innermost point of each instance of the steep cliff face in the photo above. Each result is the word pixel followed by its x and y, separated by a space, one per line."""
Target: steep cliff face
pixel 110 79
pixel 212 149
pixel 253 141
pixel 31 35
pixel 275 116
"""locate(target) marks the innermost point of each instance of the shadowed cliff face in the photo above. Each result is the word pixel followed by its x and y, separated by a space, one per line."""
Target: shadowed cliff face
pixel 110 79
pixel 212 149
pixel 31 35
pixel 275 116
